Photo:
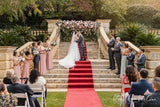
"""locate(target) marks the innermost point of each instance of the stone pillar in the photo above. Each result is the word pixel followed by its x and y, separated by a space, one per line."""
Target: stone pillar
pixel 152 58
pixel 105 23
pixel 6 59
pixel 51 24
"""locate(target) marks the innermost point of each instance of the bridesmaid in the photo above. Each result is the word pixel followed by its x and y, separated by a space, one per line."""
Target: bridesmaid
pixel 49 54
pixel 124 52
pixel 26 66
pixel 16 63
pixel 42 64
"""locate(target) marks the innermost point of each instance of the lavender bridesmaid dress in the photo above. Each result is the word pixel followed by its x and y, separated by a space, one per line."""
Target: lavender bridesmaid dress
pixel 49 59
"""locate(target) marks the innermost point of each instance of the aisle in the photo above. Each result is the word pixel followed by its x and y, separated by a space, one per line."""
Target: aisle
pixel 81 91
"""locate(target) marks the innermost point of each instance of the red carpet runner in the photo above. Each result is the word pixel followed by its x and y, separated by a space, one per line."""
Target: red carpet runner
pixel 81 91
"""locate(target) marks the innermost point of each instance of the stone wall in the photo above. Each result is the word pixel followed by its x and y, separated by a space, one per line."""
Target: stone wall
pixel 105 23
pixel 52 24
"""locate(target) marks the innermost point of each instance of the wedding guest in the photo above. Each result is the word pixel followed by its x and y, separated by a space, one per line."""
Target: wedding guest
pixel 124 63
pixel 157 71
pixel 139 88
pixel 111 53
pixel 131 57
pixel 49 56
pixel 153 99
pixel 141 60
pixel 117 52
pixel 35 52
pixel 28 58
pixel 16 63
pixel 22 88
pixel 6 99
pixel 7 79
pixel 42 64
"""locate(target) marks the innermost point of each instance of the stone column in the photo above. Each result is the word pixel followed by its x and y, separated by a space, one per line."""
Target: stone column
pixel 6 59
pixel 105 23
pixel 152 58
pixel 51 24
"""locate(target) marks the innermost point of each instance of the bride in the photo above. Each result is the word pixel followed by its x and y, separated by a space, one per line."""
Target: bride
pixel 73 54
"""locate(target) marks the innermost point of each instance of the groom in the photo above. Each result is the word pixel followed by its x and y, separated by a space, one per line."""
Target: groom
pixel 81 45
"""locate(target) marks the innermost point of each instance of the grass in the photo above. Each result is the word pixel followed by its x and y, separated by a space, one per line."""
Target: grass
pixel 108 99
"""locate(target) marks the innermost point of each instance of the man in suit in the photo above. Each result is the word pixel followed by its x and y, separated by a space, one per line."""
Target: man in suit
pixel 131 57
pixel 141 60
pixel 153 99
pixel 139 88
pixel 117 53
pixel 111 53
pixel 22 88
pixel 36 56
pixel 80 41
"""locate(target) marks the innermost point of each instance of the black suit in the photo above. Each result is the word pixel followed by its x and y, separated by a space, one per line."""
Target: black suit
pixel 23 88
pixel 152 100
pixel 117 53
pixel 141 62
pixel 130 58
pixel 81 46
pixel 36 59
pixel 111 53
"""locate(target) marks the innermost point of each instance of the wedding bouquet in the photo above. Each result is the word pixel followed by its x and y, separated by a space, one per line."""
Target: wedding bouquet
pixel 48 49
pixel 53 44
pixel 36 52
pixel 21 59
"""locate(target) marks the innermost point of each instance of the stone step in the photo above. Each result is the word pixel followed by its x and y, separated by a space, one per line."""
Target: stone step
pixel 96 85
pixel 93 67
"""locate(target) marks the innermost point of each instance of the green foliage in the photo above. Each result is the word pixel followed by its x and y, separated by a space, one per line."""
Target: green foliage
pixel 156 20
pixel 141 14
pixel 41 37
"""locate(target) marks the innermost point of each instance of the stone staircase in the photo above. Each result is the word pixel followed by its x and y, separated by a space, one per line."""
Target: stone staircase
pixel 104 79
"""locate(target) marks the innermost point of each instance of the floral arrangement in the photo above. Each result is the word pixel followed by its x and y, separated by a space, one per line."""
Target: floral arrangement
pixel 36 52
pixel 48 49
pixel 87 28
pixel 21 59
pixel 53 44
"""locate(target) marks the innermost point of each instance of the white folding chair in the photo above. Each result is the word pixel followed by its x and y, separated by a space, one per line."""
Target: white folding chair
pixel 135 98
pixel 39 91
pixel 24 96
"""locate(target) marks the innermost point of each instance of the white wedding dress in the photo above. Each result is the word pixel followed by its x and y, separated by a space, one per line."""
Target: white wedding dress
pixel 72 56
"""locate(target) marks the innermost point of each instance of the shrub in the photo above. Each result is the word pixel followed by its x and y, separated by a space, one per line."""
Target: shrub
pixel 156 20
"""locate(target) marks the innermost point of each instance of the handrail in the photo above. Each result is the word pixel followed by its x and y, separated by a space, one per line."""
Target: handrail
pixel 135 48
pixel 103 34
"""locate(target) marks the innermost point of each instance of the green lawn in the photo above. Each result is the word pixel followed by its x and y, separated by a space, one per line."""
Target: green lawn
pixel 108 99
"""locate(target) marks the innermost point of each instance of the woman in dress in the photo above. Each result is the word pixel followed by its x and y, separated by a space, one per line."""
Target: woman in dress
pixel 124 52
pixel 42 64
pixel 49 56
pixel 28 58
pixel 16 63
pixel 73 54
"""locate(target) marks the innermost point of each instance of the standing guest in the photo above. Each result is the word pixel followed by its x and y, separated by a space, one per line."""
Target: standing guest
pixel 117 52
pixel 26 66
pixel 157 71
pixel 124 52
pixel 6 99
pixel 141 60
pixel 153 99
pixel 16 63
pixel 7 79
pixel 49 57
pixel 42 64
pixel 111 53
pixel 22 88
pixel 139 88
pixel 131 57
pixel 35 52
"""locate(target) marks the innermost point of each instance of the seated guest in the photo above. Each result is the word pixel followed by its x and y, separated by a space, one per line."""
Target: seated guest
pixel 153 99
pixel 139 88
pixel 6 99
pixel 22 88
pixel 157 71
pixel 141 60
pixel 7 79
pixel 131 57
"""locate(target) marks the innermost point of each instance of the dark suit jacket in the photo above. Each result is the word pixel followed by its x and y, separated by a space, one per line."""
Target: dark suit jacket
pixel 21 88
pixel 36 57
pixel 152 100
pixel 111 43
pixel 130 58
pixel 141 62
pixel 117 49
pixel 80 41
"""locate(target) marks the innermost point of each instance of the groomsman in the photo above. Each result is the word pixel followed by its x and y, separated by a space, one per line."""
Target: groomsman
pixel 111 53
pixel 131 57
pixel 36 56
pixel 117 52
pixel 141 60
